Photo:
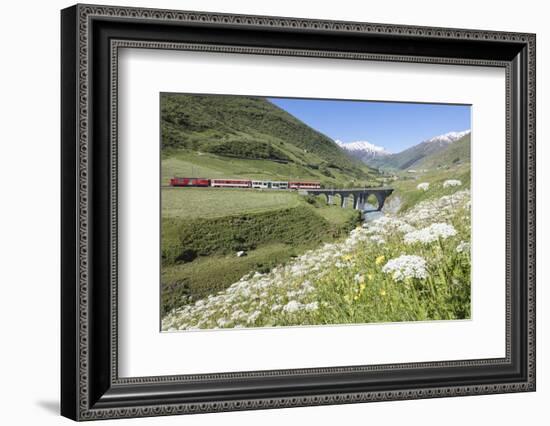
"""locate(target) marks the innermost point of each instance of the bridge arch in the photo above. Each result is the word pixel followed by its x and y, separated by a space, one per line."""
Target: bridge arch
pixel 334 198
pixel 344 199
pixel 372 202
pixel 329 197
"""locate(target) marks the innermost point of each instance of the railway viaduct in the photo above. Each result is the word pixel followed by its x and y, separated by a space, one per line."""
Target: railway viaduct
pixel 359 195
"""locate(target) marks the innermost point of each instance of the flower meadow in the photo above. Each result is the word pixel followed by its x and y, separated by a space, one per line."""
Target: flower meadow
pixel 412 266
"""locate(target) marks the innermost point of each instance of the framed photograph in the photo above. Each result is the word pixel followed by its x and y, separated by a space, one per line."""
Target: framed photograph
pixel 263 212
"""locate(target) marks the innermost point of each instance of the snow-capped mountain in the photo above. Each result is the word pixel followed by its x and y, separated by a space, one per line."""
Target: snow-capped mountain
pixel 418 154
pixel 363 150
pixel 377 156
pixel 448 138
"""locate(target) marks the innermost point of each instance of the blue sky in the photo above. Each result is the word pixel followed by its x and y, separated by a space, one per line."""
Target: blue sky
pixel 393 125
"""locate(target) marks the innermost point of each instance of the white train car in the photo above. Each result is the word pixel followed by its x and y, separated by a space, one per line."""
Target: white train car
pixel 230 183
pixel 279 185
pixel 269 184
pixel 304 185
pixel 260 184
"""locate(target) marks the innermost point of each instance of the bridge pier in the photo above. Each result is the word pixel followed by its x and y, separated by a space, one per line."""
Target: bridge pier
pixel 343 201
pixel 360 196
pixel 381 200
pixel 358 202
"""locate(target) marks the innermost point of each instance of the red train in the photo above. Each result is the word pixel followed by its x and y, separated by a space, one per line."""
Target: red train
pixel 176 181
pixel 242 183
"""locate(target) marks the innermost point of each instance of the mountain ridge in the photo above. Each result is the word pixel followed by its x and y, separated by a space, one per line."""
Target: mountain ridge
pixel 415 155
pixel 452 154
pixel 448 137
pixel 362 150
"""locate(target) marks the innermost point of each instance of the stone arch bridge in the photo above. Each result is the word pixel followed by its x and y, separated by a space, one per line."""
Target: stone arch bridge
pixel 359 195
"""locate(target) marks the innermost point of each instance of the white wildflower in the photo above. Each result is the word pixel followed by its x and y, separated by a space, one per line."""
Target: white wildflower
pixel 253 317
pixel 406 266
pixel 292 306
pixel 244 292
pixel 377 239
pixel 292 293
pixel 405 228
pixel 307 287
pixel 313 306
pixel 298 269
pixel 238 314
pixel 424 186
pixel 463 247
pixel 387 225
pixel 451 182
pixel 276 307
pixel 430 234
pixel 222 322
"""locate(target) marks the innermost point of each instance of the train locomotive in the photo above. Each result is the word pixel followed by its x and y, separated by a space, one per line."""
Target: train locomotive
pixel 185 181
pixel 242 183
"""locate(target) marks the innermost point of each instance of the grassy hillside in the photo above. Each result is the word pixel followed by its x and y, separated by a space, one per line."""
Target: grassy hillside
pixel 456 153
pixel 406 190
pixel 186 163
pixel 201 237
pixel 255 134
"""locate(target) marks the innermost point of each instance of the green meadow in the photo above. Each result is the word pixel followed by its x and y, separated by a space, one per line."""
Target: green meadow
pixel 194 203
pixel 203 229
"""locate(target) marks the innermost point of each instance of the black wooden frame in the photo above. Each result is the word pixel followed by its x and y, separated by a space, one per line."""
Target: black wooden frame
pixel 90 386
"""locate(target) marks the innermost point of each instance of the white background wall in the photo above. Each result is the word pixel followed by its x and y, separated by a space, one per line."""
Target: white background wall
pixel 29 213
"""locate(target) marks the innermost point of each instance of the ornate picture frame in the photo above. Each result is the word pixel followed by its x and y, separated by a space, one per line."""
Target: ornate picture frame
pixel 91 37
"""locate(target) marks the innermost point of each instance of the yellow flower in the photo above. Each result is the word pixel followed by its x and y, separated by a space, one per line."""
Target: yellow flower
pixel 347 257
pixel 369 276
pixel 382 292
pixel 356 298
pixel 379 259
pixel 362 287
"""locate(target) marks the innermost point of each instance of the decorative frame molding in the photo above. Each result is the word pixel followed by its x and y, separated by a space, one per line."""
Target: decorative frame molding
pixel 91 37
